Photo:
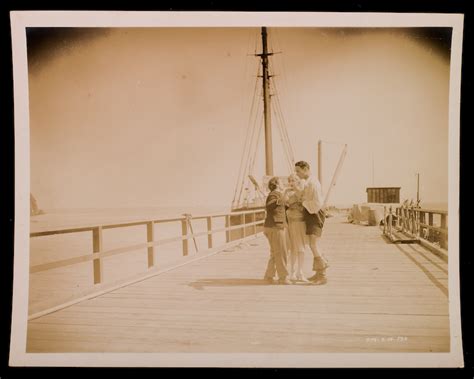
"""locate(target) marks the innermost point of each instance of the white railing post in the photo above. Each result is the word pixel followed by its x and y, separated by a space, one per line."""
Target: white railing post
pixel 397 218
pixel 254 220
pixel 150 234
pixel 384 219
pixel 209 231
pixel 390 217
pixel 227 225
pixel 422 227
pixel 430 230
pixel 184 233
pixel 405 218
pixel 97 245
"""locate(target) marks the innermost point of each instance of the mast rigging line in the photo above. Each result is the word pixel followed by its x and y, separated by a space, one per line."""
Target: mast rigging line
pixel 247 143
pixel 276 91
pixel 250 159
pixel 245 158
pixel 252 126
pixel 246 68
pixel 255 132
pixel 241 173
pixel 281 62
pixel 254 154
pixel 277 110
pixel 284 145
pixel 284 130
pixel 280 117
pixel 255 90
pixel 249 153
pixel 253 143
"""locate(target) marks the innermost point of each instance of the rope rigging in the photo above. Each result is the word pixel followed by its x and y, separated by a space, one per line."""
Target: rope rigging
pixel 259 120
pixel 283 130
pixel 283 142
pixel 280 63
pixel 250 131
pixel 255 126
pixel 254 155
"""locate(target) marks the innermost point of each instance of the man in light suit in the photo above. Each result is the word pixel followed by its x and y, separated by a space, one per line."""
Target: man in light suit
pixel 314 217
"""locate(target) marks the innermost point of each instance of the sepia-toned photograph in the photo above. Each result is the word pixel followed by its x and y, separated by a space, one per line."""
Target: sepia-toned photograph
pixel 251 194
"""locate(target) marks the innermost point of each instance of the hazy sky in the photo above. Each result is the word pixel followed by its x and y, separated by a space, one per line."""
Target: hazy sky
pixel 157 117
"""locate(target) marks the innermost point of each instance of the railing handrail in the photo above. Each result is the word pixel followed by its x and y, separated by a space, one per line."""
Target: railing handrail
pixel 426 210
pixel 98 252
pixel 129 248
pixel 90 227
pixel 412 221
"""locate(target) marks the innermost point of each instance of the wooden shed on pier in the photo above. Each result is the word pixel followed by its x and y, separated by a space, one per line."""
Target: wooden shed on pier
pixel 383 194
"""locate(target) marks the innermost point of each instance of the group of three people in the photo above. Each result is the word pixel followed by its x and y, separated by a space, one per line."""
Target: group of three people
pixel 295 217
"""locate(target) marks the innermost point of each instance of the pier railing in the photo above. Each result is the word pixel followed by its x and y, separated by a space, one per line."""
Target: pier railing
pixel 247 224
pixel 430 226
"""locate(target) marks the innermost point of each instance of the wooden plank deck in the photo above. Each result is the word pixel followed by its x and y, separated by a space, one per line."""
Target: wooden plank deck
pixel 380 297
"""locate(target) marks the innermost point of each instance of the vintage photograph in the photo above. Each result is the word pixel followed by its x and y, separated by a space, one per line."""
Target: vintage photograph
pixel 264 189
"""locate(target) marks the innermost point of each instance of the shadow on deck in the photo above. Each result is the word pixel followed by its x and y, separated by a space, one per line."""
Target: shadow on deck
pixel 380 298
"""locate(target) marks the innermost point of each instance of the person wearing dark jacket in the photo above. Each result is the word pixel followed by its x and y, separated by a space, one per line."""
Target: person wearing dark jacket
pixel 274 230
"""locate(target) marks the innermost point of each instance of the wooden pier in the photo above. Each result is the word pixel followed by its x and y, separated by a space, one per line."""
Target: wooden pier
pixel 381 297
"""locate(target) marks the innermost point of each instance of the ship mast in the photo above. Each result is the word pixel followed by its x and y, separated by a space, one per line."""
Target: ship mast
pixel 266 104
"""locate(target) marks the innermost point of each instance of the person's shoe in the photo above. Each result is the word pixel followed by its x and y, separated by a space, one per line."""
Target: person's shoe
pixel 320 263
pixel 313 278
pixel 293 278
pixel 285 281
pixel 320 280
pixel 268 280
pixel 301 278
